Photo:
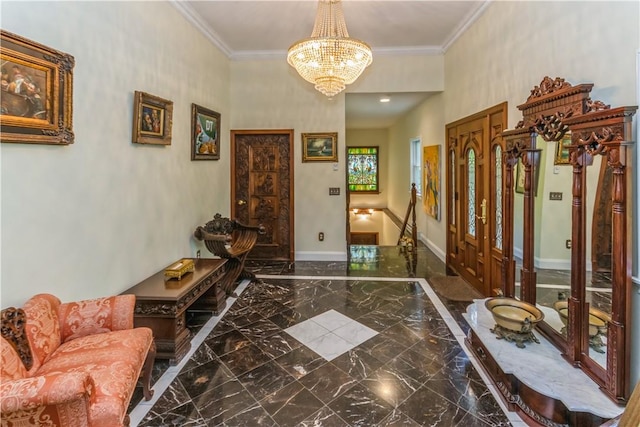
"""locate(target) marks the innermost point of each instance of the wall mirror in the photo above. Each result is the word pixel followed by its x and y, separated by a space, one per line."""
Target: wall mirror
pixel 566 226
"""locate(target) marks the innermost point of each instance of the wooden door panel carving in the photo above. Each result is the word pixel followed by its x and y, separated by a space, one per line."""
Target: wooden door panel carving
pixel 261 176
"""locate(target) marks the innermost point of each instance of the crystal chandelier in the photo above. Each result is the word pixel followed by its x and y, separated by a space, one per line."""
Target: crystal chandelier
pixel 329 59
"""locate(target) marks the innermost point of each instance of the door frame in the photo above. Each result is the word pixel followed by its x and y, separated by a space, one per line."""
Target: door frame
pixel 291 207
pixel 494 121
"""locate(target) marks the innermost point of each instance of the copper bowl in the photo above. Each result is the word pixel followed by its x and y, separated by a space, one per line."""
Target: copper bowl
pixel 514 315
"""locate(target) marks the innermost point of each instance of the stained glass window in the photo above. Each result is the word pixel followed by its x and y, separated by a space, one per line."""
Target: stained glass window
pixel 471 192
pixel 363 169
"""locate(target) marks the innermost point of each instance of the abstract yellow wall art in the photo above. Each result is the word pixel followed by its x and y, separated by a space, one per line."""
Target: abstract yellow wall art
pixel 431 180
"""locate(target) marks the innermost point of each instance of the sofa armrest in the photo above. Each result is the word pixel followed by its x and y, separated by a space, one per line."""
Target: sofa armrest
pixel 63 399
pixel 95 316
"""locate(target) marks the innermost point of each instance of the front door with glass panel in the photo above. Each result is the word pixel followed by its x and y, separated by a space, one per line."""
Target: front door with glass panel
pixel 474 198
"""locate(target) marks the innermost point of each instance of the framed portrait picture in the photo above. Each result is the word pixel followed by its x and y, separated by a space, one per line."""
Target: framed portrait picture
pixel 152 119
pixel 205 133
pixel 562 151
pixel 320 147
pixel 37 92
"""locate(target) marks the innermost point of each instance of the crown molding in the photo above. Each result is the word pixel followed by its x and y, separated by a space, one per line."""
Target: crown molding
pixel 248 55
pixel 195 19
pixel 473 17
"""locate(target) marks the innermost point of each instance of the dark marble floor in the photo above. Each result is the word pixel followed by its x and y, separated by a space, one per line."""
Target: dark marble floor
pixel 250 372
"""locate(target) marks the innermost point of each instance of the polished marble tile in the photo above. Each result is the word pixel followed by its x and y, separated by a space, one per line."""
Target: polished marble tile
pixel 300 361
pixel 325 417
pixel 403 366
pixel 307 331
pixel 328 382
pixel 358 363
pixel 291 405
pixel 330 334
pixel 329 346
pixel 265 379
pixel 359 406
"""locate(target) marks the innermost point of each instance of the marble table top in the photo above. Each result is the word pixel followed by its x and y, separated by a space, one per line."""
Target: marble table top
pixel 541 367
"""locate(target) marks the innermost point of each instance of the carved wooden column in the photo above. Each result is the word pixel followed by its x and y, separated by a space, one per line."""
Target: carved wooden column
pixel 608 132
pixel 508 263
pixel 577 330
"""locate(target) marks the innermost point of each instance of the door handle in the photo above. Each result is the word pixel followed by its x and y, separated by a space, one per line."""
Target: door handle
pixel 483 211
pixel 242 202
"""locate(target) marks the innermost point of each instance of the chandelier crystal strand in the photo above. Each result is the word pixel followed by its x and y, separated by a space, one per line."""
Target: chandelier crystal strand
pixel 330 59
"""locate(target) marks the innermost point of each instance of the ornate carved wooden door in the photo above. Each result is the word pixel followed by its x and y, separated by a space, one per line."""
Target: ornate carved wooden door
pixel 474 198
pixel 262 188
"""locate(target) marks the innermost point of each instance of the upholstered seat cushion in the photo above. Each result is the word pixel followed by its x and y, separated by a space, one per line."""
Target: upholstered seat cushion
pixel 113 360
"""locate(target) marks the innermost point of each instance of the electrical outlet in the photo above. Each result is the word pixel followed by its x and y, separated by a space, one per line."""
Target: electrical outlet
pixel 334 191
pixel 567 243
pixel 321 236
pixel 198 254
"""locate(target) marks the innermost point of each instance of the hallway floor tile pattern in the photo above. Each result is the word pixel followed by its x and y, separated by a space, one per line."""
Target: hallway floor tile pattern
pixel 330 334
pixel 406 368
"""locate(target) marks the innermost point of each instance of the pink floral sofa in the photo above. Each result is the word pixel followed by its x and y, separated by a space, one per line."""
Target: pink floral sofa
pixel 73 364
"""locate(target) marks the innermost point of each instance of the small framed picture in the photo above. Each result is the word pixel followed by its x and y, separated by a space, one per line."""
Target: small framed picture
pixel 205 133
pixel 320 147
pixel 562 151
pixel 152 119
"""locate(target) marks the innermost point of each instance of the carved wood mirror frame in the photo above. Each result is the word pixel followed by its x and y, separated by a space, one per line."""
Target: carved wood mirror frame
pixel 554 108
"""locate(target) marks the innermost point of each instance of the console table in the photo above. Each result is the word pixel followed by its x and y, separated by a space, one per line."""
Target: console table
pixel 161 304
pixel 536 381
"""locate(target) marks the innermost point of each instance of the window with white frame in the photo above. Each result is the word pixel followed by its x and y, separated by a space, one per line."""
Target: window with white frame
pixel 416 164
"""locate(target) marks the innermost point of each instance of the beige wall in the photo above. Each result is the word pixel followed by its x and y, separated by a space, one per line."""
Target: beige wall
pixel 426 122
pixel 96 217
pixel 270 95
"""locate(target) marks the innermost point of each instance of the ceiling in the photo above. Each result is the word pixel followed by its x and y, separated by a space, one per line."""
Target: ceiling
pixel 266 29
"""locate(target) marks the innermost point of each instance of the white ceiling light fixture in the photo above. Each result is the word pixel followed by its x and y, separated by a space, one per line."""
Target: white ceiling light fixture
pixel 330 59
pixel 385 99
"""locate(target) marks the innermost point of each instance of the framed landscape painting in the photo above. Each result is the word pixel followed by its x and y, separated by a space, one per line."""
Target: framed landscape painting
pixel 320 147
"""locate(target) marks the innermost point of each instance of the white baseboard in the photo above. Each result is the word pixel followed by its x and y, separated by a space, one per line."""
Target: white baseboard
pixel 546 263
pixel 321 256
pixel 552 264
pixel 434 248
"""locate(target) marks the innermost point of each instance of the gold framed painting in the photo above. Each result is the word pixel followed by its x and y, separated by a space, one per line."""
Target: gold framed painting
pixel 152 119
pixel 37 92
pixel 320 147
pixel 205 133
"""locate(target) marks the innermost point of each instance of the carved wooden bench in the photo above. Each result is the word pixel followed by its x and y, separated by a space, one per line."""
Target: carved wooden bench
pixel 232 240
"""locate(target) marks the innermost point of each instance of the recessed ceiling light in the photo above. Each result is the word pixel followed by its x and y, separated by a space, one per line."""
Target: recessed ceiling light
pixel 385 99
